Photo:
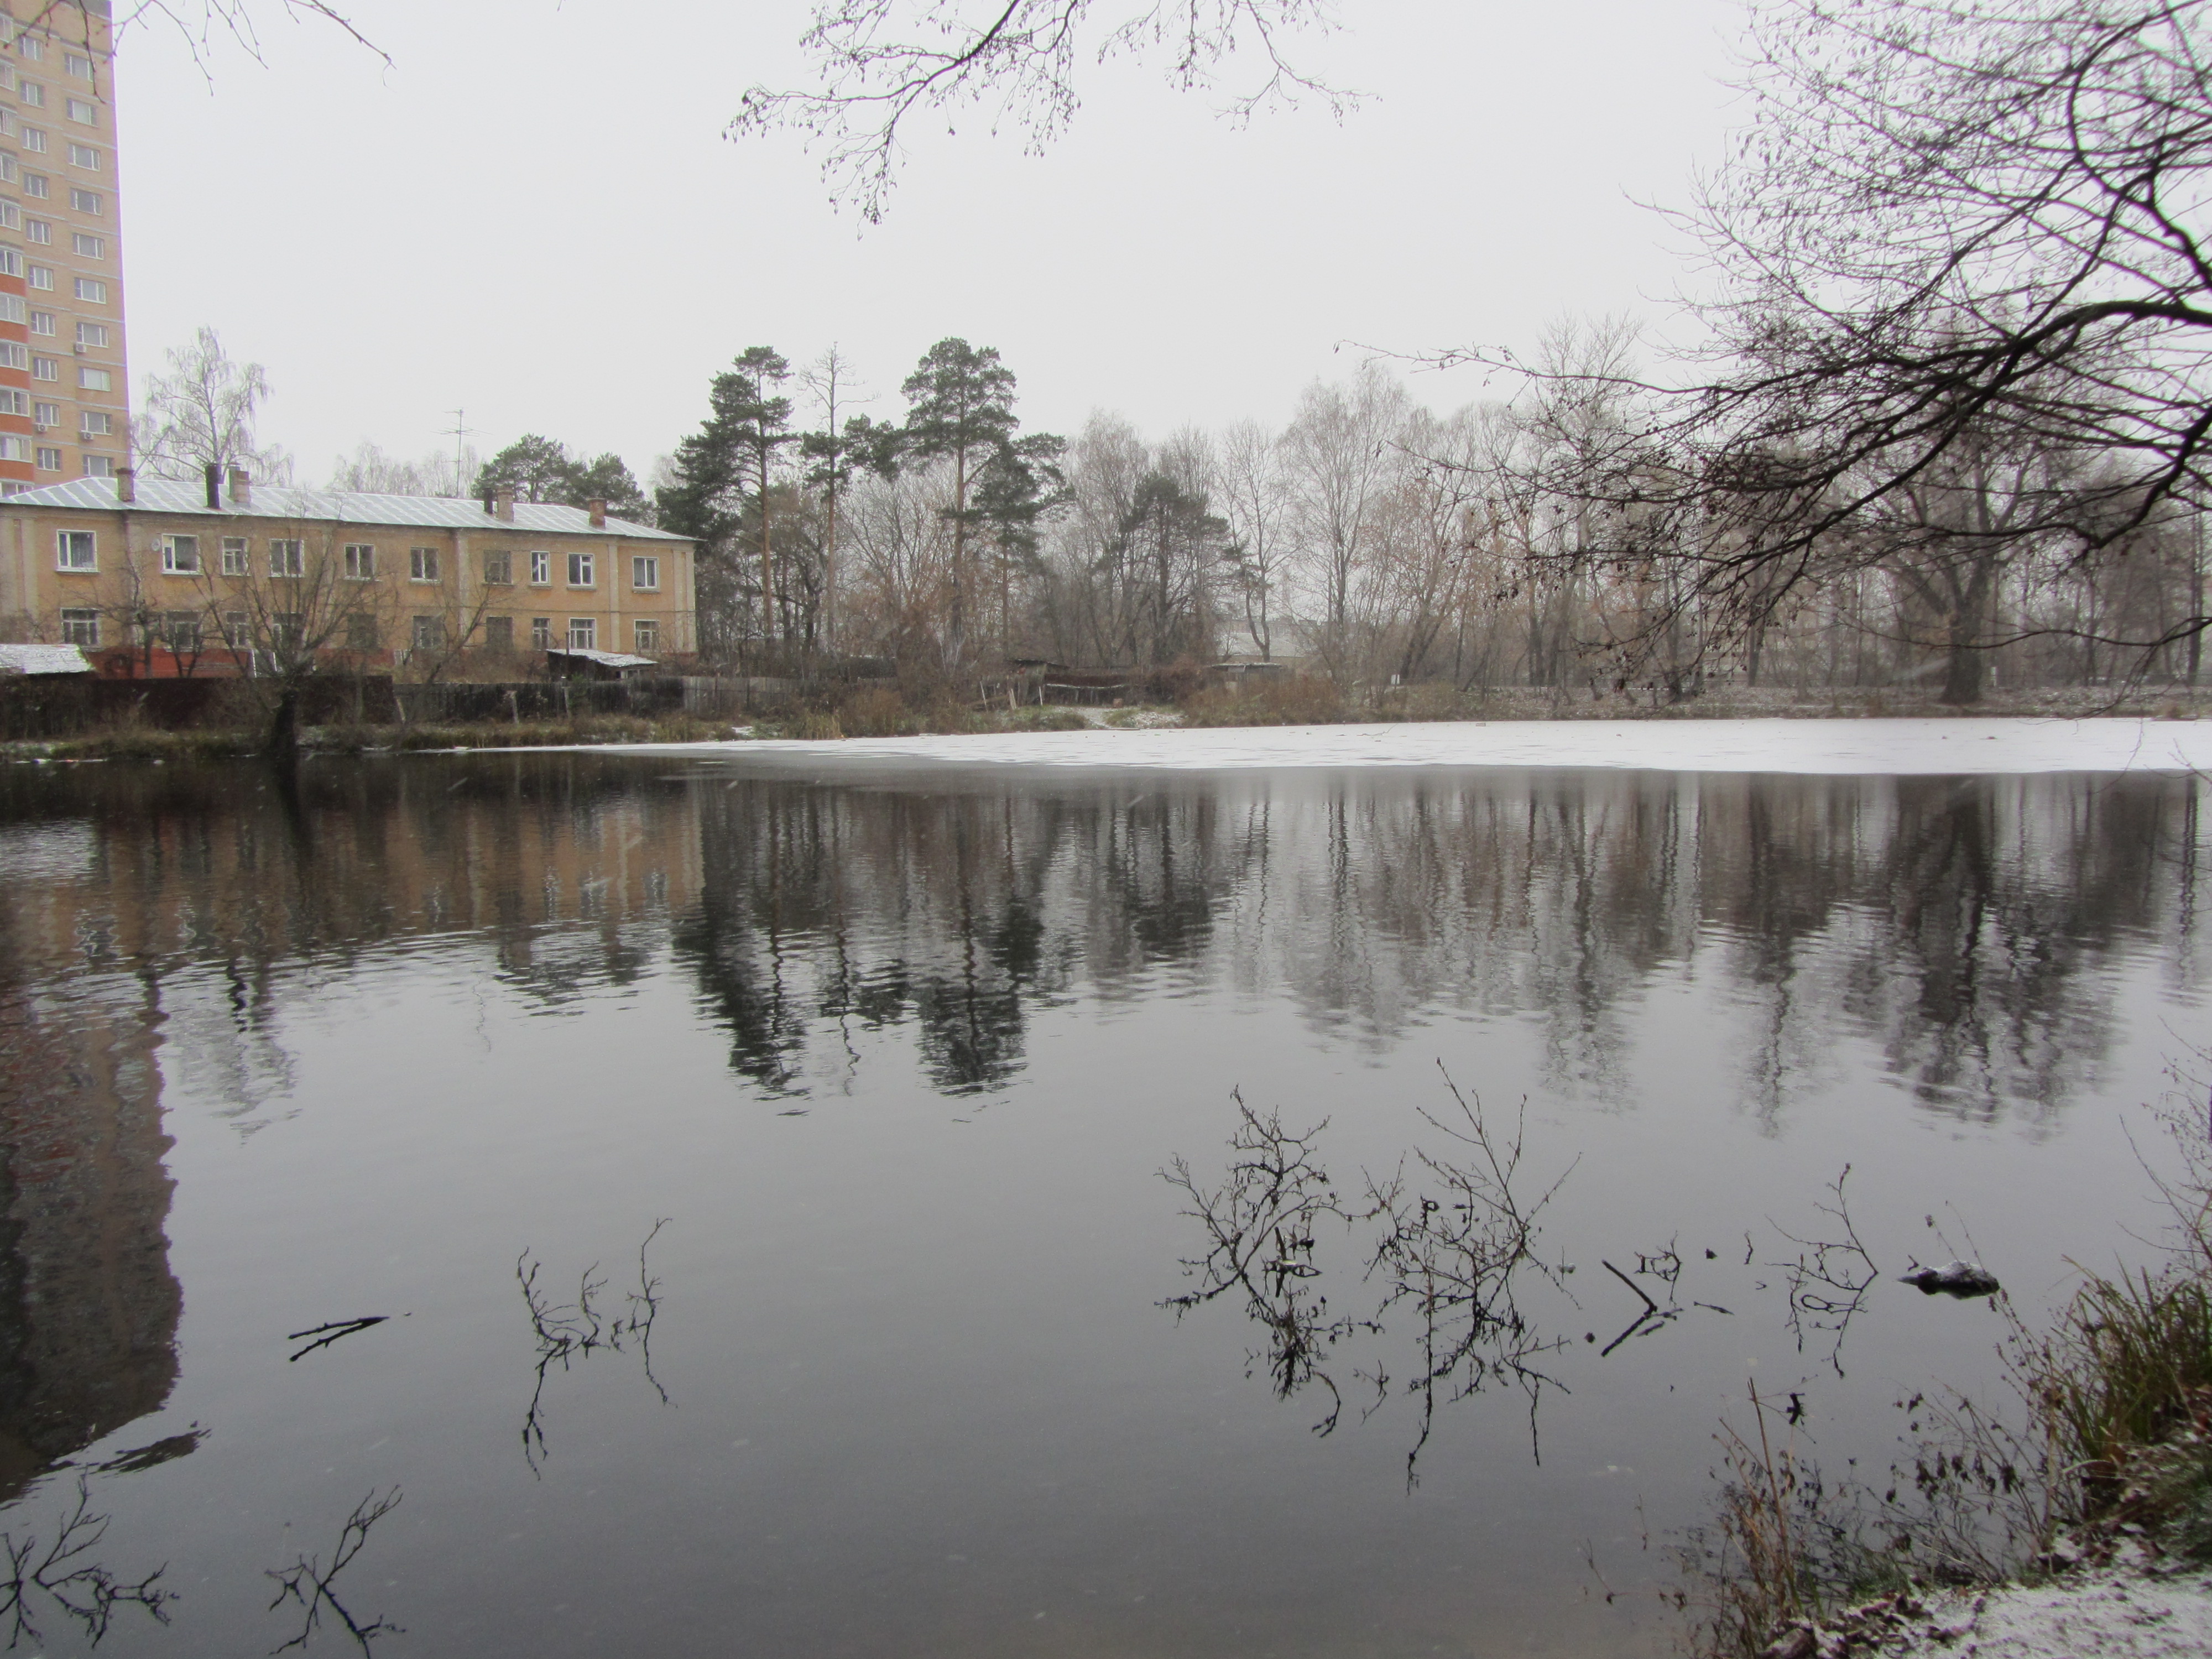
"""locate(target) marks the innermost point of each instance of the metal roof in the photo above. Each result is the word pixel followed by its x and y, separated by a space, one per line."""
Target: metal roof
pixel 330 507
pixel 43 660
pixel 604 659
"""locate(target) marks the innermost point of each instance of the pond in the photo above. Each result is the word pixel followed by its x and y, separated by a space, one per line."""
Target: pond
pixel 575 1204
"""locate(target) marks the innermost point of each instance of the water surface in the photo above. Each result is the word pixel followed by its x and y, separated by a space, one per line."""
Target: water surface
pixel 899 1057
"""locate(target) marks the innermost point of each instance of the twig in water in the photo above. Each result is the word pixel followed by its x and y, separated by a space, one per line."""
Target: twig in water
pixel 311 1585
pixel 326 1334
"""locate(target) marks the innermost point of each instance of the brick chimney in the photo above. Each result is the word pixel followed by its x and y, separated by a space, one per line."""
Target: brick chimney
pixel 502 504
pixel 241 487
pixel 214 487
pixel 126 485
pixel 598 509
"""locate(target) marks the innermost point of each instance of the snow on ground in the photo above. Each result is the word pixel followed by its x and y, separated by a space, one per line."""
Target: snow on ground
pixel 2111 1615
pixel 1842 747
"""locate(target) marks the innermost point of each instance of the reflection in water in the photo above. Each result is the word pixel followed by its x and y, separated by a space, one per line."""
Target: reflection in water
pixel 88 1307
pixel 1449 1242
pixel 311 1587
pixel 1958 925
pixel 58 1575
pixel 570 1331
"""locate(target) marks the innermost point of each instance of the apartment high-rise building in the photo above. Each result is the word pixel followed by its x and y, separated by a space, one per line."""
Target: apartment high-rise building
pixel 64 384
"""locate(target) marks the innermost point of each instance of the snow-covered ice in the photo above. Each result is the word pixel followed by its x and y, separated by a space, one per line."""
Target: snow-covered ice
pixel 2114 1615
pixel 1844 747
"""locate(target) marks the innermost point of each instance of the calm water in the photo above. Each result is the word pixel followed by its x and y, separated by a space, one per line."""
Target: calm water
pixel 894 1061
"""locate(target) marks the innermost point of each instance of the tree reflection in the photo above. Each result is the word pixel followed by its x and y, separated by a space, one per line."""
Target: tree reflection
pixel 1958 927
pixel 1448 1241
pixel 57 1574
pixel 568 1332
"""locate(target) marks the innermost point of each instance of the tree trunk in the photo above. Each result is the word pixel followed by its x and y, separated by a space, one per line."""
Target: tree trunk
pixel 283 740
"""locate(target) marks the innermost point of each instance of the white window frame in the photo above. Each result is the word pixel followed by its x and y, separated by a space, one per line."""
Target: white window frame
pixel 95 423
pixel 285 550
pixel 647 632
pixel 180 555
pixel 583 570
pixel 359 561
pixel 237 557
pixel 49 459
pixel 89 379
pixel 85 157
pixel 91 291
pixel 541 633
pixel 88 246
pixel 428 634
pixel 80 627
pixel 583 632
pixel 499 568
pixel 422 564
pixel 68 544
pixel 541 571
pixel 645 572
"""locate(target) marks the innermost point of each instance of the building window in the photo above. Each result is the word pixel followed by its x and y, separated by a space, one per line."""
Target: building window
pixel 422 564
pixel 34 184
pixel 180 631
pixel 34 140
pixel 39 231
pixel 87 201
pixel 649 638
pixel 95 379
pixel 93 424
pixel 74 549
pixel 42 322
pixel 541 633
pixel 583 634
pixel 100 466
pixel 11 263
pixel 31 92
pixel 35 51
pixel 45 413
pixel 180 555
pixel 13 354
pixel 92 334
pixel 14 401
pixel 50 460
pixel 7 173
pixel 541 570
pixel 85 157
pixel 579 569
pixel 42 279
pixel 11 308
pixel 81 628
pixel 14 449
pixel 361 631
pixel 287 557
pixel 645 574
pixel 499 632
pixel 498 570
pixel 92 290
pixel 11 217
pixel 89 247
pixel 44 368
pixel 287 630
pixel 359 561
pixel 77 64
pixel 80 110
pixel 233 555
pixel 429 633
pixel 235 632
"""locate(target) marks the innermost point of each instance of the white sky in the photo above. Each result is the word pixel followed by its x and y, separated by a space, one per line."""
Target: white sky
pixel 533 215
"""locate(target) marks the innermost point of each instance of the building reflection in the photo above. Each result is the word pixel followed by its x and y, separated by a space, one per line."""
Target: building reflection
pixel 88 1306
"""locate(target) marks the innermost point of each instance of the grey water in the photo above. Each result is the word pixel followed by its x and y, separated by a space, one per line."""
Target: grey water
pixel 760 1173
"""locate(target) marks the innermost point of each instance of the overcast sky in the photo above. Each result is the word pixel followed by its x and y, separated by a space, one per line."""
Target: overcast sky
pixel 532 213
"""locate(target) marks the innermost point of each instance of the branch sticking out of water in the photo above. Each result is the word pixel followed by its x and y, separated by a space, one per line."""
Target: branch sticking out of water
pixel 570 1331
pixel 314 1587
pixel 86 1593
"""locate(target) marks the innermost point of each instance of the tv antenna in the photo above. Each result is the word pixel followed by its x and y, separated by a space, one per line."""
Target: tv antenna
pixel 459 431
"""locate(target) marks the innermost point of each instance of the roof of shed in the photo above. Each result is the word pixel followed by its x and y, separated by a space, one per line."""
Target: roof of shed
pixel 43 660
pixel 330 507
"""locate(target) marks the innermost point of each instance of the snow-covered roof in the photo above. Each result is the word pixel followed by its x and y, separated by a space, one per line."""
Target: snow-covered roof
pixel 330 507
pixel 604 659
pixel 43 660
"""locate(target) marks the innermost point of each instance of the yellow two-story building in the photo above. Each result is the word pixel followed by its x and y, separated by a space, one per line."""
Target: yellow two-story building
pixel 194 577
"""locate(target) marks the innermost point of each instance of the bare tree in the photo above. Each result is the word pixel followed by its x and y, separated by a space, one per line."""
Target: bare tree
pixel 1253 496
pixel 201 414
pixel 1341 453
pixel 439 472
pixel 880 63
